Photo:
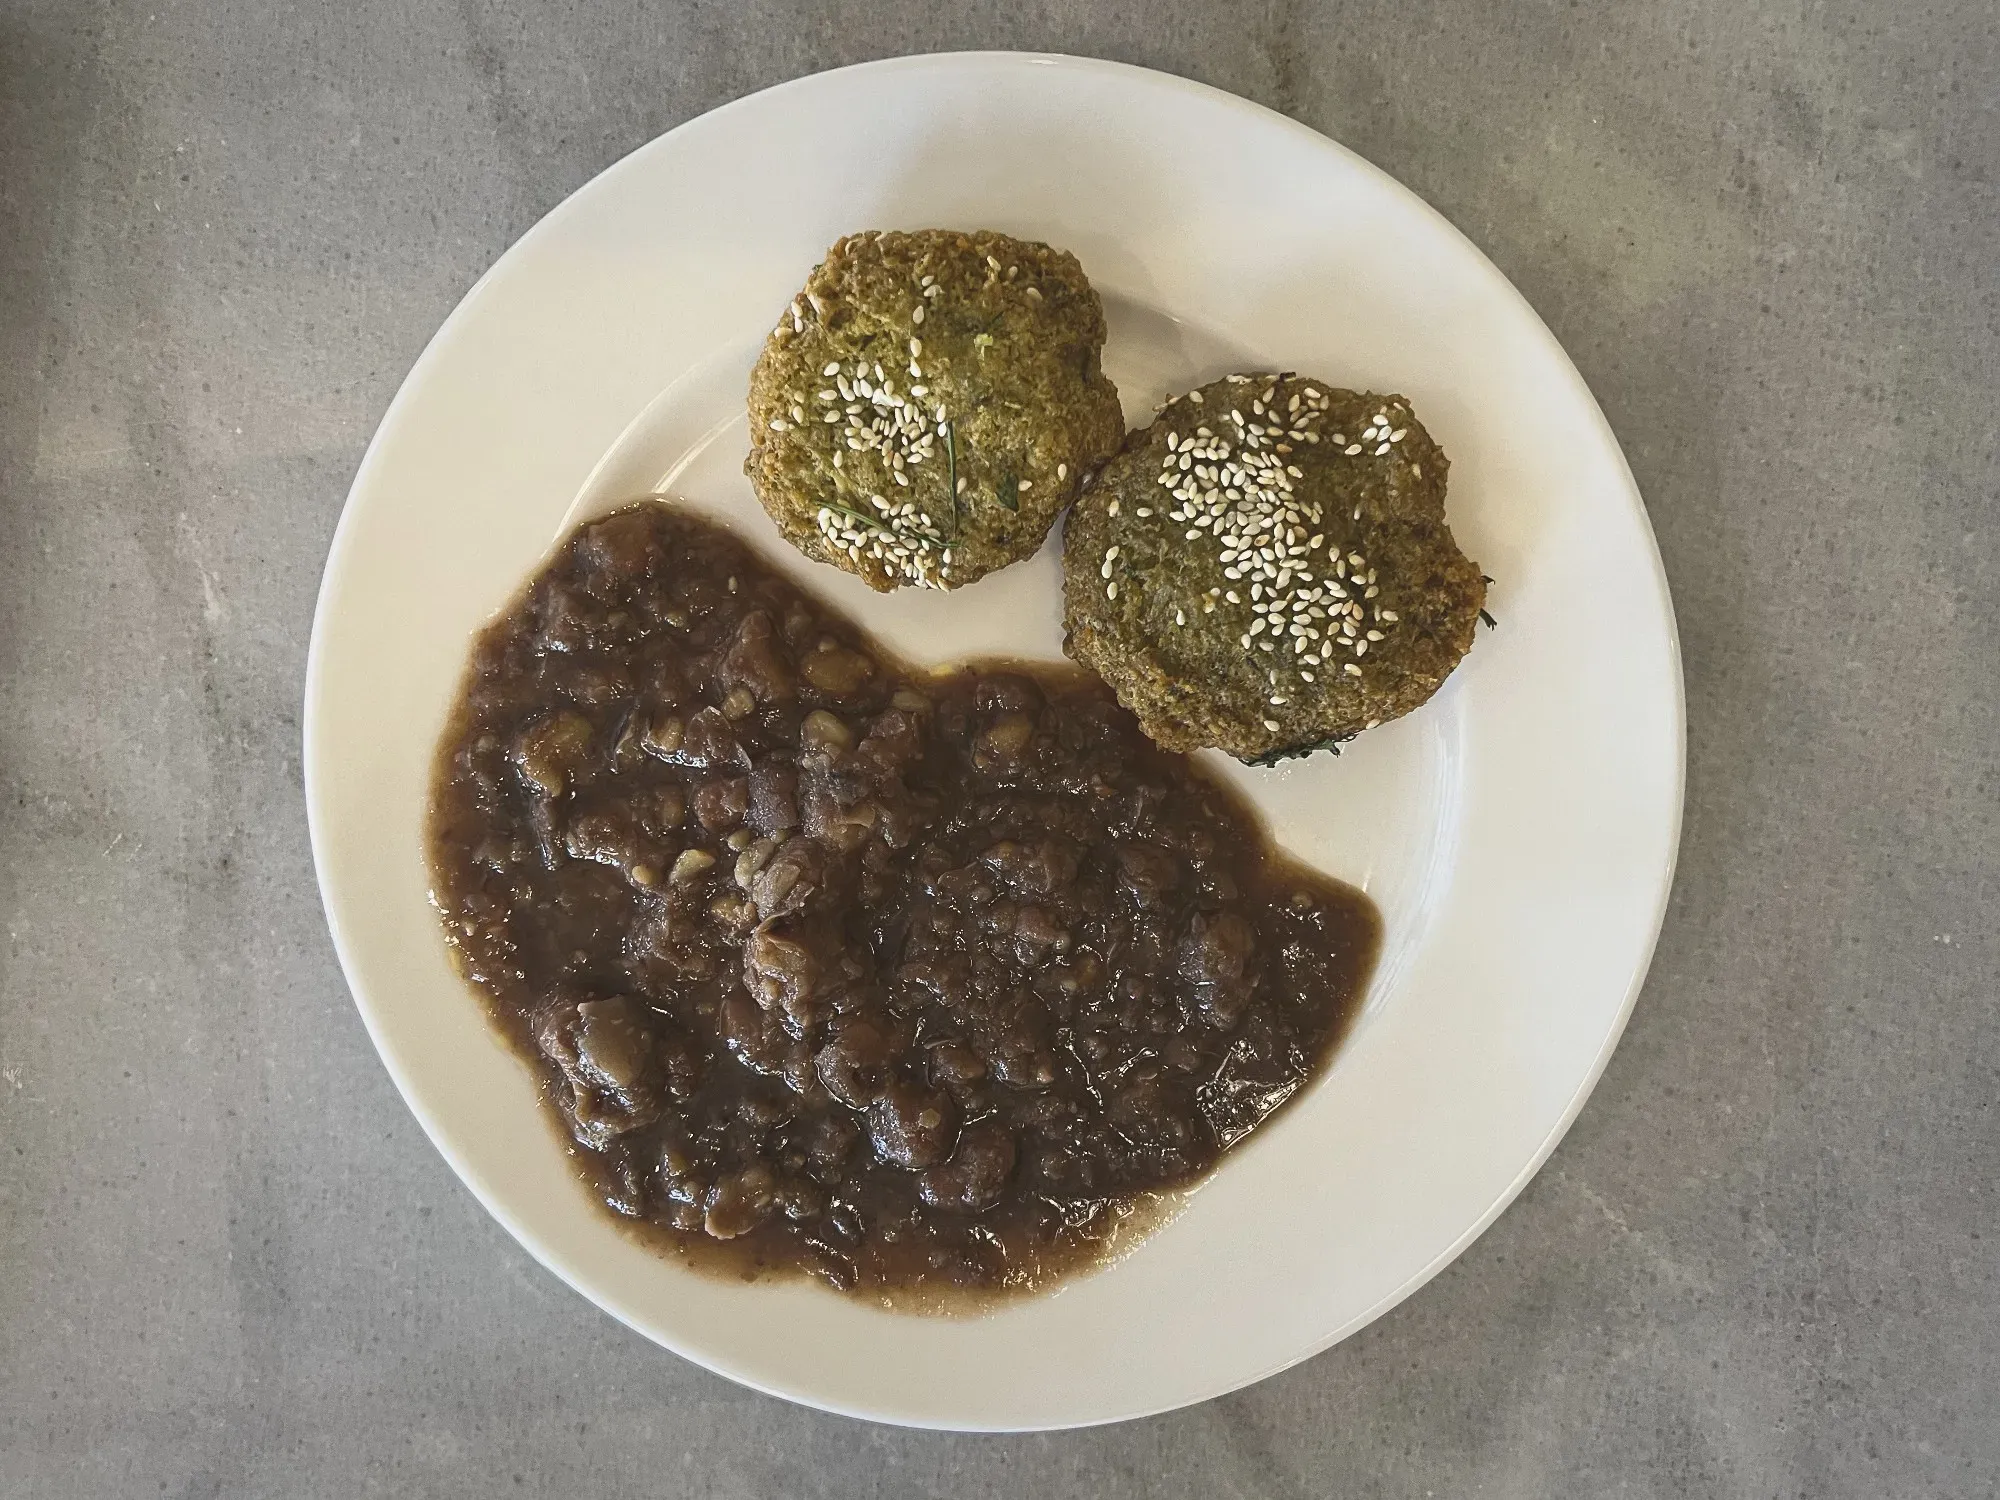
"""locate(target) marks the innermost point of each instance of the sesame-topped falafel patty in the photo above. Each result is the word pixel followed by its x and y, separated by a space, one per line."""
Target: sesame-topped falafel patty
pixel 929 404
pixel 1267 569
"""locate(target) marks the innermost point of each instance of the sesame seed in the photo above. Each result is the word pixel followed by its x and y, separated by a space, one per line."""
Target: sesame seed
pixel 1180 617
pixel 1272 725
pixel 1351 670
pixel 917 313
pixel 1034 293
pixel 778 424
pixel 1062 471
pixel 1111 591
pixel 1397 435
pixel 1027 484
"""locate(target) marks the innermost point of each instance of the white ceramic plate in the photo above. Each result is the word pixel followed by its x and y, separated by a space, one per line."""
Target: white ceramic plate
pixel 1518 833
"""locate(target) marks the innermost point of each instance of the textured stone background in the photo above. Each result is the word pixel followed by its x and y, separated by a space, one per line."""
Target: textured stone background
pixel 1764 1262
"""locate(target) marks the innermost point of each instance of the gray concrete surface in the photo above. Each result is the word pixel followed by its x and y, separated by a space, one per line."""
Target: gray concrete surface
pixel 1763 1264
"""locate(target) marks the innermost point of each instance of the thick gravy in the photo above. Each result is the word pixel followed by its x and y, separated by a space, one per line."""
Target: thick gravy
pixel 915 984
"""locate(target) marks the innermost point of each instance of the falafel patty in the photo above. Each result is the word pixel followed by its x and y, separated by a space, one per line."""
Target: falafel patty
pixel 1267 569
pixel 929 404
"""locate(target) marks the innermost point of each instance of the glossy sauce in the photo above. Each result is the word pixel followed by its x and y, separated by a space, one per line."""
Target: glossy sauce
pixel 922 985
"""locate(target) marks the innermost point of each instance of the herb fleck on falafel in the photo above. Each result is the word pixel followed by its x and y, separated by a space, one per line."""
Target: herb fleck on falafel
pixel 929 404
pixel 1267 569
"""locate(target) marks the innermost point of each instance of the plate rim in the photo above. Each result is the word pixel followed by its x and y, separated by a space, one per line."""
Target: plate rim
pixel 339 560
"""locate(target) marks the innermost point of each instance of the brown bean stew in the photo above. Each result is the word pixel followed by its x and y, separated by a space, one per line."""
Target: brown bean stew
pixel 912 983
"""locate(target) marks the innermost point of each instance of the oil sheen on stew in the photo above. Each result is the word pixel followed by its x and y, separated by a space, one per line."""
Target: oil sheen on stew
pixel 922 985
